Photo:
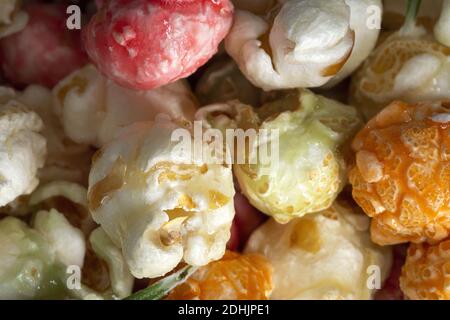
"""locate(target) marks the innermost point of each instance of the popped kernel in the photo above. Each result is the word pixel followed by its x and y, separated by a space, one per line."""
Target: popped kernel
pixel 300 44
pixel 92 108
pixel 426 273
pixel 234 277
pixel 306 134
pixel 22 148
pixel 44 51
pixel 146 44
pixel 158 205
pixel 66 160
pixel 401 175
pixel 409 66
pixel 325 255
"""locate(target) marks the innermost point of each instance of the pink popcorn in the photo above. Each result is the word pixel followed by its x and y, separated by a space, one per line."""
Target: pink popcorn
pixel 45 51
pixel 144 44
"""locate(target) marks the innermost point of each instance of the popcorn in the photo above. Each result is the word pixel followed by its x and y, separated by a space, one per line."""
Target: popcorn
pixel 66 160
pixel 93 109
pixel 146 44
pixel 57 240
pixel 45 51
pixel 409 65
pixel 66 242
pixel 157 204
pixel 304 43
pixel 425 273
pixel 33 260
pixel 234 277
pixel 321 256
pixel 12 19
pixel 401 173
pixel 22 148
pixel 312 131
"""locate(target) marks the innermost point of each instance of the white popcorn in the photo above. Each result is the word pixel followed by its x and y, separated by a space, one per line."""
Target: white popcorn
pixel 12 19
pixel 156 204
pixel 92 108
pixel 327 255
pixel 22 148
pixel 308 43
pixel 66 159
pixel 67 243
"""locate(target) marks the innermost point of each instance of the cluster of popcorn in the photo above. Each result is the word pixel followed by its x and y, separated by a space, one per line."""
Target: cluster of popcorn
pixel 92 178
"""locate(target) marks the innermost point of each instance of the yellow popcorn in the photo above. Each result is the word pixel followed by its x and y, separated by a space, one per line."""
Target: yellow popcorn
pixel 327 255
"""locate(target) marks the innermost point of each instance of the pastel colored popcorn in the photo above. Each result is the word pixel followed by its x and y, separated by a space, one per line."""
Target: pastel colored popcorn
pixel 400 173
pixel 307 43
pixel 234 277
pixel 92 108
pixel 44 51
pixel 22 148
pixel 144 44
pixel 159 206
pixel 326 255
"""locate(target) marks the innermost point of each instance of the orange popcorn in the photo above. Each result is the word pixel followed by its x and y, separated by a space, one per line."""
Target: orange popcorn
pixel 426 273
pixel 401 176
pixel 234 277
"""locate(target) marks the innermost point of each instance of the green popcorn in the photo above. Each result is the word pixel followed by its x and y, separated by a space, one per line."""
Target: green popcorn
pixel 28 265
pixel 295 164
pixel 309 170
pixel 34 262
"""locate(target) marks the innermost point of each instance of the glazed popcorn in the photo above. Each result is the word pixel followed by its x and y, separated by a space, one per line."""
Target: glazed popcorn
pixel 305 43
pixel 44 51
pixel 66 160
pixel 33 260
pixel 104 271
pixel 426 272
pixel 312 131
pixel 409 65
pixel 144 44
pixel 22 148
pixel 157 204
pixel 401 172
pixel 234 277
pixel 92 109
pixel 325 255
pixel 174 149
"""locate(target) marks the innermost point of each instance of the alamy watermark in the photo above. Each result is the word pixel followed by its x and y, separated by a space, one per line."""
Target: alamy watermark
pixel 231 146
